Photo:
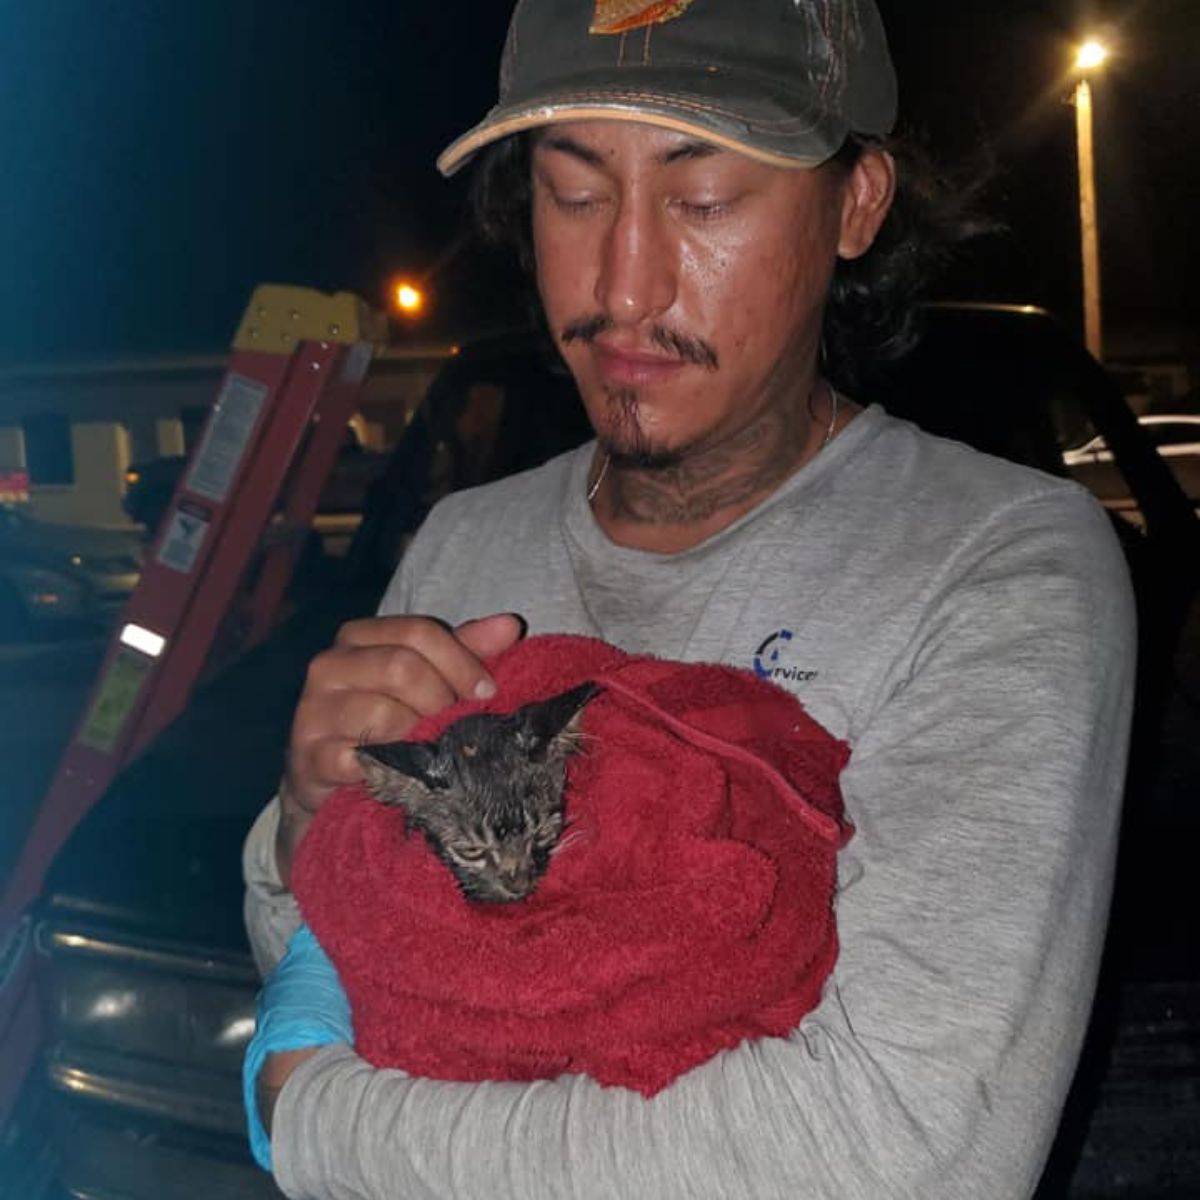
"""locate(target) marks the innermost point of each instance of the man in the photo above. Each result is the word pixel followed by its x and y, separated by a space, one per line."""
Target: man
pixel 698 175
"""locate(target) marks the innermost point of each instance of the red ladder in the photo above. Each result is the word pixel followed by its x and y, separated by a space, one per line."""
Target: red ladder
pixel 245 501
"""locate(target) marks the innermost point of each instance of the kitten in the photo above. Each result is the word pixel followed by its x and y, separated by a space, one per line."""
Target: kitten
pixel 488 793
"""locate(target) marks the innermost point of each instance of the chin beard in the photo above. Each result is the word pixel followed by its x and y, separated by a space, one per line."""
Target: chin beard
pixel 625 442
pixel 644 458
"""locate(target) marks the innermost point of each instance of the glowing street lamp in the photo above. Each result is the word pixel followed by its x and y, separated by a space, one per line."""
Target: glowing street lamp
pixel 1091 56
pixel 407 298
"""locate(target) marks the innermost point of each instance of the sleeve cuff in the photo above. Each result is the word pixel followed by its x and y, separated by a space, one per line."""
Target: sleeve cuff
pixel 301 1006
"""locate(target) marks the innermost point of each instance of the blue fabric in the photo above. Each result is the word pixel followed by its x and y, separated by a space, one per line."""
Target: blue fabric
pixel 301 1005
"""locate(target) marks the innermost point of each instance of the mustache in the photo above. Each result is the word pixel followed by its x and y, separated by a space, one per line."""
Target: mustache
pixel 680 345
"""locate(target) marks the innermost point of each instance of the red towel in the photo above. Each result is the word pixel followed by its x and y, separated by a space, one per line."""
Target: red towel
pixel 693 908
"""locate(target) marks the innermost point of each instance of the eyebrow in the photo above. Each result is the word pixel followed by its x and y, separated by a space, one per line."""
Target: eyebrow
pixel 692 149
pixel 570 147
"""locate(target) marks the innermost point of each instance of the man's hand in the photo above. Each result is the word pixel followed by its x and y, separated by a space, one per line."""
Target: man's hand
pixel 380 677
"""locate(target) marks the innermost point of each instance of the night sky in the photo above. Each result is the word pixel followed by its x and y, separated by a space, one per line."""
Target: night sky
pixel 160 157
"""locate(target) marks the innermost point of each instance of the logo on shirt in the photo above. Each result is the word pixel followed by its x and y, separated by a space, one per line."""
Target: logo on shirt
pixel 772 660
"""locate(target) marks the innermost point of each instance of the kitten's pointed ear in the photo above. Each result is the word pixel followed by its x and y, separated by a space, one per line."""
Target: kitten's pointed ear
pixel 552 726
pixel 401 772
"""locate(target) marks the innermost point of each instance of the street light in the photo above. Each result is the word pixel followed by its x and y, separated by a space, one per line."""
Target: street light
pixel 1091 56
pixel 407 298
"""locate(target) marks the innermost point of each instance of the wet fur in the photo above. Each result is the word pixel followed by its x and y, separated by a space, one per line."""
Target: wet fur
pixel 488 795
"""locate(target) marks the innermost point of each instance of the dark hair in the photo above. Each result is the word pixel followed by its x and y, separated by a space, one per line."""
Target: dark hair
pixel 872 315
pixel 502 197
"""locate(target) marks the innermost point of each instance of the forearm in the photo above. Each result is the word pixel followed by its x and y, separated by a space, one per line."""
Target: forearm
pixel 959 1097
pixel 774 1118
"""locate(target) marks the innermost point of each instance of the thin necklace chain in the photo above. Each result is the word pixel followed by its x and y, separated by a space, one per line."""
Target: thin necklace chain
pixel 834 400
pixel 591 493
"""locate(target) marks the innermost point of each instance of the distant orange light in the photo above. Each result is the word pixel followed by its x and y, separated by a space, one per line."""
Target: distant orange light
pixel 409 299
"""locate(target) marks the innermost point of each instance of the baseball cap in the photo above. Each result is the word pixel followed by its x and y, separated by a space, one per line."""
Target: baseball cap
pixel 783 81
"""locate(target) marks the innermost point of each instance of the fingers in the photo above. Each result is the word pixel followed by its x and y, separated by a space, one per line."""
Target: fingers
pixel 489 636
pixel 363 685
pixel 413 655
pixel 355 696
pixel 380 677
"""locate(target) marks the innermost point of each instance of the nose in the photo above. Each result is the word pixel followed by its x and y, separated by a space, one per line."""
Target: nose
pixel 515 876
pixel 514 884
pixel 638 270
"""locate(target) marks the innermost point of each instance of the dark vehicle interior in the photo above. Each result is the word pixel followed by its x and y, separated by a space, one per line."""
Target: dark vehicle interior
pixel 144 970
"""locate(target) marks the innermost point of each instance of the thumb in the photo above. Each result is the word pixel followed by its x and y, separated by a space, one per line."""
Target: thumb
pixel 489 636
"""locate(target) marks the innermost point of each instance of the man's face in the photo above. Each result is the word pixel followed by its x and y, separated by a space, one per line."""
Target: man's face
pixel 685 283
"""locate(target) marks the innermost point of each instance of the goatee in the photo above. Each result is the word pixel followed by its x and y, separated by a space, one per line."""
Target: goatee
pixel 624 441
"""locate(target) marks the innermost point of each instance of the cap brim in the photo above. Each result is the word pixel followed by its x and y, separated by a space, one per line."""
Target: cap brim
pixel 778 130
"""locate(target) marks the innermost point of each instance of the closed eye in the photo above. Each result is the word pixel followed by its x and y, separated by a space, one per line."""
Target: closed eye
pixel 474 855
pixel 575 204
pixel 703 212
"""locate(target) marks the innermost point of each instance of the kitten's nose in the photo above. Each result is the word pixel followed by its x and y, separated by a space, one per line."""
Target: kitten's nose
pixel 517 879
pixel 503 892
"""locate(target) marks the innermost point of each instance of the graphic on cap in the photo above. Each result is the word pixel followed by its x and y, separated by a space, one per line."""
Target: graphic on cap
pixel 620 16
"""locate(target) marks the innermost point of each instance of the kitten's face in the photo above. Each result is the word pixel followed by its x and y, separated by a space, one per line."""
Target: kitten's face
pixel 488 794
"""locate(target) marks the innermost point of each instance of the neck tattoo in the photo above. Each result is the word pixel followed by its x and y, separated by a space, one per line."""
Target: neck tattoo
pixel 834 402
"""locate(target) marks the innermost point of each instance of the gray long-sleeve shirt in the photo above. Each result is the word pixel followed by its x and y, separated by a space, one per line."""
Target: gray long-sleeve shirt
pixel 966 625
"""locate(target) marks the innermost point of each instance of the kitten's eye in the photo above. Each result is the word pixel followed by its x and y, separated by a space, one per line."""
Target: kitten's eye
pixel 469 855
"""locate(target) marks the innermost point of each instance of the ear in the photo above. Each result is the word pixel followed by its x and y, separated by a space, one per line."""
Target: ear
pixel 552 726
pixel 403 773
pixel 870 189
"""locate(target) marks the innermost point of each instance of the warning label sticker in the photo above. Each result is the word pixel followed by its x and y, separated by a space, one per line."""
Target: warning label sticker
pixel 226 437
pixel 115 699
pixel 185 535
pixel 357 361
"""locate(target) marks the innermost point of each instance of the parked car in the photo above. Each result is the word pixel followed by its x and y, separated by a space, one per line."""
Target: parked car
pixel 1177 438
pixel 145 976
pixel 52 576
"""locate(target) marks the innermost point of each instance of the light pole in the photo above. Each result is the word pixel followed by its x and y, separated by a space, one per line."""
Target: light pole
pixel 1091 57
